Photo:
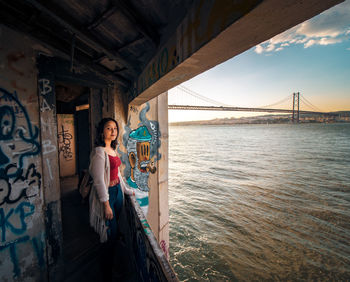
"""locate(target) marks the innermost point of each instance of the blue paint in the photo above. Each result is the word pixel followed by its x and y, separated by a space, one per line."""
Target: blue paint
pixel 23 210
pixel 33 132
pixel 141 134
pixel 13 253
pixel 3 158
pixel 153 127
pixel 38 246
pixel 7 118
pixel 3 223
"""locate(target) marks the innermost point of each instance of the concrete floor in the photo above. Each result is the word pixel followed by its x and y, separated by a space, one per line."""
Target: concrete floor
pixel 83 255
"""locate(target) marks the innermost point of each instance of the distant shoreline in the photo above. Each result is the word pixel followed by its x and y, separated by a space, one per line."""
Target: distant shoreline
pixel 336 117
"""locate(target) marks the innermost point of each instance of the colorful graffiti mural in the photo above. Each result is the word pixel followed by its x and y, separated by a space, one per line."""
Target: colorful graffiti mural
pixel 20 183
pixel 142 153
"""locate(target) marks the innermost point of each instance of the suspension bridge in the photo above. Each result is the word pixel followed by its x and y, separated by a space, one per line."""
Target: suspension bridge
pixel 184 93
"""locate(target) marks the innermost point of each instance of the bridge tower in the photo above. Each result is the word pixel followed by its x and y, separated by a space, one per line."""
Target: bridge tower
pixel 296 105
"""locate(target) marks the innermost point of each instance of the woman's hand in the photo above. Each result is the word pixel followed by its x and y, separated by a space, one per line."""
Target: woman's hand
pixel 108 211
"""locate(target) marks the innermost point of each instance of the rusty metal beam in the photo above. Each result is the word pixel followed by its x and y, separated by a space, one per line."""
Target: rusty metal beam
pixel 82 35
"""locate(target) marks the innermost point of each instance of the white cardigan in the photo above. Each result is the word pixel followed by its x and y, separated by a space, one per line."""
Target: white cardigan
pixel 99 169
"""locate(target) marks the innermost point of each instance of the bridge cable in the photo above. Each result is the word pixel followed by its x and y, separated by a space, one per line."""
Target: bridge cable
pixel 201 97
pixel 279 102
pixel 306 102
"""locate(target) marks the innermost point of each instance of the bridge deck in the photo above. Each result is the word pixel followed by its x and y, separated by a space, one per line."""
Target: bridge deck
pixel 237 109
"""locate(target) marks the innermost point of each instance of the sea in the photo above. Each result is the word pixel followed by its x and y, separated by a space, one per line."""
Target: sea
pixel 260 202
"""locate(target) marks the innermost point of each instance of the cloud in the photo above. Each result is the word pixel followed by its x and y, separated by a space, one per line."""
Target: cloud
pixel 259 49
pixel 310 43
pixel 330 27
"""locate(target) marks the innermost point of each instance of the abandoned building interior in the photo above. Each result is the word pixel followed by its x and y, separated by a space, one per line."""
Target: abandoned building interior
pixel 64 65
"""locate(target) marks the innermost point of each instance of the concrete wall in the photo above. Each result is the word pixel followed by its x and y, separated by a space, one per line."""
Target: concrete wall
pixel 22 226
pixel 30 211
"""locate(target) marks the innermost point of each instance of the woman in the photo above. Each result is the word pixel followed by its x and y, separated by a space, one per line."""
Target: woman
pixel 106 198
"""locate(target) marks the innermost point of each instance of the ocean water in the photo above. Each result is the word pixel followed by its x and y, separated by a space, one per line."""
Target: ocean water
pixel 260 202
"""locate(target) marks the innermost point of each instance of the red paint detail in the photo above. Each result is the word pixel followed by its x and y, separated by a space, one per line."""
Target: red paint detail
pixel 164 248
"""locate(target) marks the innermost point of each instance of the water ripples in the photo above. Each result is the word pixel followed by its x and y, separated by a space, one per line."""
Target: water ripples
pixel 260 202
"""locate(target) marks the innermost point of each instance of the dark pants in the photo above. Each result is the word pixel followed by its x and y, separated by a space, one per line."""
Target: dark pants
pixel 109 248
pixel 116 203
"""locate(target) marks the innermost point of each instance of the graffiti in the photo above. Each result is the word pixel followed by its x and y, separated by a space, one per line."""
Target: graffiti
pixel 45 106
pixel 48 147
pixel 64 141
pixel 157 69
pixel 49 168
pixel 38 246
pixel 18 214
pixel 45 86
pixel 45 89
pixel 6 99
pixel 153 127
pixel 25 185
pixel 13 252
pixel 133 109
pixel 142 152
pixel 45 126
pixel 165 249
pixel 9 110
pixel 146 226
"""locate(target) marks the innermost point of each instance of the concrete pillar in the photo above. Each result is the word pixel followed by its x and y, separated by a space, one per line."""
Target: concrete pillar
pixel 23 181
pixel 143 148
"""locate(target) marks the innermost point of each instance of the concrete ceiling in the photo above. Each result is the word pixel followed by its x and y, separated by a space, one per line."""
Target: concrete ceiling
pixel 148 46
pixel 115 38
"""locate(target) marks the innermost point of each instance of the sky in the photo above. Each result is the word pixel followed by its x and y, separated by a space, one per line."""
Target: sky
pixel 312 58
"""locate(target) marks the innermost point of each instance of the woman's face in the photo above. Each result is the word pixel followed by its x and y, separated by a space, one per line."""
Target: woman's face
pixel 110 131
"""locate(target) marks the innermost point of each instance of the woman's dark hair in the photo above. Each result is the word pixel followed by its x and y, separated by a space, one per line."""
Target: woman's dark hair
pixel 100 141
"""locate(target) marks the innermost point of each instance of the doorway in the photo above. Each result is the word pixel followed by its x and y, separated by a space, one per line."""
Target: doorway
pixel 80 242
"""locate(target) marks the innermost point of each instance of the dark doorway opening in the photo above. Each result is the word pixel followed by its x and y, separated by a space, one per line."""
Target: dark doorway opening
pixel 81 247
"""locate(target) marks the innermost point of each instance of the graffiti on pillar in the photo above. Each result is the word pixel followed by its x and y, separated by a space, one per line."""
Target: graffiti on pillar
pixel 25 185
pixel 142 146
pixel 37 244
pixel 20 181
pixel 46 91
pixel 18 142
pixel 64 144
